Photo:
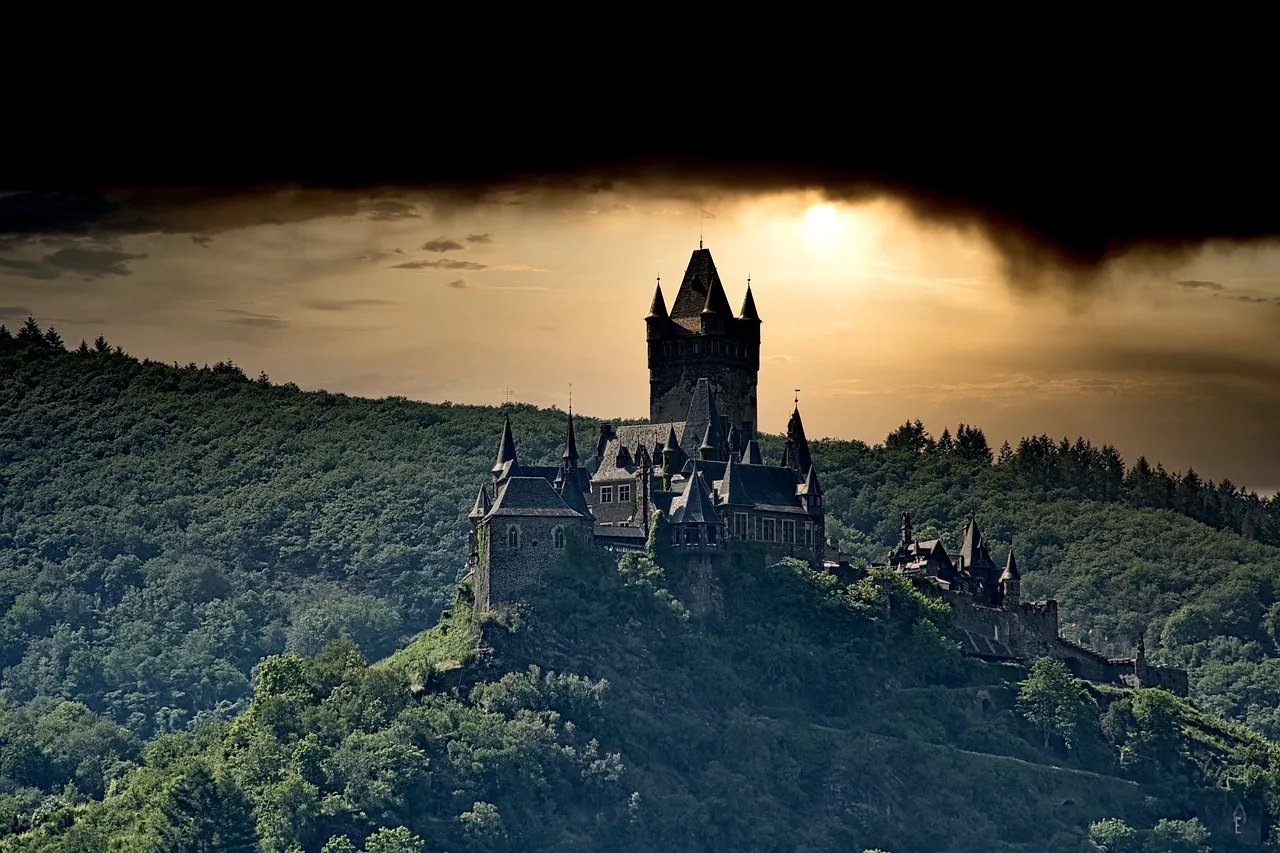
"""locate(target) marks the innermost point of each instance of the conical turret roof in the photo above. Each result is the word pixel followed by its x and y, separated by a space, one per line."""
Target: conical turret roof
pixel 811 486
pixel 657 310
pixel 748 311
pixel 700 282
pixel 506 449
pixel 571 445
pixel 1010 572
pixel 800 457
pixel 695 506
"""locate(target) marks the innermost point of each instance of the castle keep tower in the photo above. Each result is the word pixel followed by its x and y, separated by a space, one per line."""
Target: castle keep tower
pixel 700 338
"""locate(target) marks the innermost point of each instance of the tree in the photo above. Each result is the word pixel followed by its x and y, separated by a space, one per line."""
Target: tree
pixel 1115 836
pixel 202 814
pixel 53 339
pixel 909 438
pixel 1006 454
pixel 30 335
pixel 971 444
pixel 1178 836
pixel 1051 699
pixel 398 840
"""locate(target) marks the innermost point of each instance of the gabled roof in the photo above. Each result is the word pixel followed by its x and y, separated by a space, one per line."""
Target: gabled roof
pixel 694 505
pixel 530 496
pixel 700 277
pixel 810 486
pixel 763 486
pixel 974 550
pixel 752 455
pixel 573 496
pixel 733 489
pixel 799 445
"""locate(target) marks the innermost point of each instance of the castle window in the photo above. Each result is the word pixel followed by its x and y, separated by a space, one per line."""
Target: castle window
pixel 770 530
pixel 711 534
pixel 789 531
pixel 606 494
pixel 808 533
pixel 558 538
pixel 691 536
pixel 513 538
pixel 759 529
pixel 740 525
pixel 624 493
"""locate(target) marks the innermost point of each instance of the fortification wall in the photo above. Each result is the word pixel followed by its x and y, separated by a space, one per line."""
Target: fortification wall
pixel 672 380
pixel 1030 629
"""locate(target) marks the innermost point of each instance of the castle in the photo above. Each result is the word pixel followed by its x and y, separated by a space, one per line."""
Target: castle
pixel 698 465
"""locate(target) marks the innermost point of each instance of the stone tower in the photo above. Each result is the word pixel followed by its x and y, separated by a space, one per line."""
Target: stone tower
pixel 700 338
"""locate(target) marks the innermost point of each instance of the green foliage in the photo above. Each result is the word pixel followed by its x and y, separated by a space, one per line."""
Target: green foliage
pixel 1056 703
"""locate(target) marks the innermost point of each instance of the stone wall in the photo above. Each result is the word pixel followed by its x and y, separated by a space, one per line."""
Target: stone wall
pixel 733 379
pixel 505 572
pixel 615 511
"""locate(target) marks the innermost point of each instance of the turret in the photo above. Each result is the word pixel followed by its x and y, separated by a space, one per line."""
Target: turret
pixel 656 321
pixel 670 459
pixel 569 459
pixel 707 450
pixel 506 460
pixel 811 493
pixel 1011 582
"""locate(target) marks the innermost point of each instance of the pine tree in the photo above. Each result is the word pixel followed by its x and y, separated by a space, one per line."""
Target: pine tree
pixel 100 344
pixel 945 444
pixel 30 335
pixel 1006 454
pixel 83 349
pixel 202 814
pixel 53 339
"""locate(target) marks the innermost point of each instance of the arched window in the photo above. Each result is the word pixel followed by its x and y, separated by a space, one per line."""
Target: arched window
pixel 513 538
pixel 557 537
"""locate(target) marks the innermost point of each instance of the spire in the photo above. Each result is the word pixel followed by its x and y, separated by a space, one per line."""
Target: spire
pixel 658 310
pixel 672 443
pixel 748 311
pixel 506 450
pixel 706 450
pixel 701 281
pixel 732 490
pixel 734 441
pixel 800 458
pixel 971 546
pixel 1010 569
pixel 695 503
pixel 570 455
pixel 481 509
pixel 752 455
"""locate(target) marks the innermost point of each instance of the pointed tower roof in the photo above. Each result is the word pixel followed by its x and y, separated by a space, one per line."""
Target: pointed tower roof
pixel 700 288
pixel 800 458
pixel 974 550
pixel 481 509
pixel 1010 572
pixel 734 440
pixel 811 486
pixel 571 445
pixel 702 414
pixel 672 443
pixel 658 310
pixel 752 455
pixel 506 449
pixel 694 504
pixel 706 441
pixel 748 311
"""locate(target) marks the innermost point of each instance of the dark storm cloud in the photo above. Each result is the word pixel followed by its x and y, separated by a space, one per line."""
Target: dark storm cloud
pixel 391 210
pixel 74 261
pixel 480 238
pixel 15 311
pixel 1204 285
pixel 253 320
pixel 442 264
pixel 1090 166
pixel 345 304
pixel 442 244
pixel 201 240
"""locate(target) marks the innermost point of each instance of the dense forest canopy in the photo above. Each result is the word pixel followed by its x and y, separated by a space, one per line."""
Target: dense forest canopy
pixel 163 529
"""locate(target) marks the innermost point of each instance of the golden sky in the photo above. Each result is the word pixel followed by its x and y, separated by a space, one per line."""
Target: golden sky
pixel 873 315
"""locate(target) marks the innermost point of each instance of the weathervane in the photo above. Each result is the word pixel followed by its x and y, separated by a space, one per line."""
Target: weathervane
pixel 702 214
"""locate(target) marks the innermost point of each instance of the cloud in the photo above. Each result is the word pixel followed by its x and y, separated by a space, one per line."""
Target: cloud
pixel 202 240
pixel 480 238
pixel 1205 285
pixel 458 283
pixel 19 311
pixel 442 264
pixel 253 319
pixel 442 244
pixel 463 284
pixel 345 304
pixel 87 263
pixel 391 210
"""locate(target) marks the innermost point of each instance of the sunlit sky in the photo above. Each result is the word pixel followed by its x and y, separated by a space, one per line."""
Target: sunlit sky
pixel 874 316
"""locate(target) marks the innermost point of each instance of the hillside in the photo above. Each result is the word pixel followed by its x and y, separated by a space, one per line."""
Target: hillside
pixel 601 716
pixel 164 528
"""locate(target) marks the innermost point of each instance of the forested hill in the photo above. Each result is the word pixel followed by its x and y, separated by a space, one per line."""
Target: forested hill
pixel 164 528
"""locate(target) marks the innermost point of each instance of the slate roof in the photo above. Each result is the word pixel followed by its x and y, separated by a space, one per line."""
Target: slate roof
pixel 699 277
pixel 749 306
pixel 482 504
pixel 752 455
pixel 506 449
pixel 702 414
pixel 799 444
pixel 574 497
pixel 981 646
pixel 1010 572
pixel 530 496
pixel 977 557
pixel 694 506
pixel 659 306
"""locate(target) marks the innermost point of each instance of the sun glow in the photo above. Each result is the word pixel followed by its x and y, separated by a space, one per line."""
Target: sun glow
pixel 823 225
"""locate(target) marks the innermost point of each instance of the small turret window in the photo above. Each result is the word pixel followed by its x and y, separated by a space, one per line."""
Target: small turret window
pixel 711 534
pixel 513 538
pixel 557 537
